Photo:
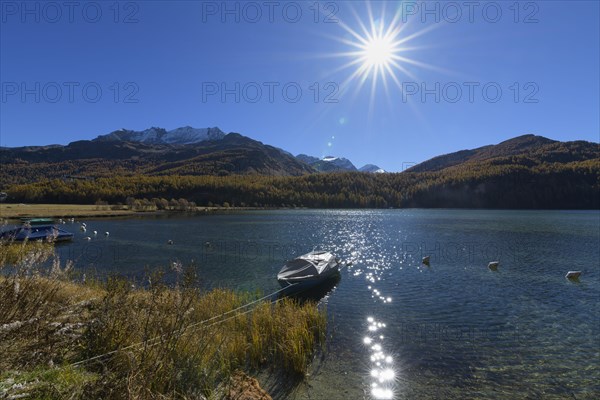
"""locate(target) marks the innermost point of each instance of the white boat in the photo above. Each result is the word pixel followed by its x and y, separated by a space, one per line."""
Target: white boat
pixel 308 270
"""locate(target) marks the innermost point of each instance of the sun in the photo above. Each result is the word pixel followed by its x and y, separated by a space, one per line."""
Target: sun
pixel 377 49
pixel 378 52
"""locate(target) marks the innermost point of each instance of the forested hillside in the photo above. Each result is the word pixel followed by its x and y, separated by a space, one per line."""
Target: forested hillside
pixel 528 172
pixel 233 154
pixel 570 186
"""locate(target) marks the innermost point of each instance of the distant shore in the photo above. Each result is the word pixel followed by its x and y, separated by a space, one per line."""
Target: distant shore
pixel 10 211
pixel 15 211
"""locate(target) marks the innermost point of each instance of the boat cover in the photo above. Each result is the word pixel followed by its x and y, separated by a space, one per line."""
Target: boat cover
pixel 307 266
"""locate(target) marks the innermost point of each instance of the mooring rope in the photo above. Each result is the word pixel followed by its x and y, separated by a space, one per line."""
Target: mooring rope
pixel 155 339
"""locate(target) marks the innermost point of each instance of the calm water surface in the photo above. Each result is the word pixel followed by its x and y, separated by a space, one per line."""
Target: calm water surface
pixel 399 329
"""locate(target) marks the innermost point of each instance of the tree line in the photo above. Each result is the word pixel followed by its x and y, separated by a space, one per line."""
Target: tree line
pixel 574 185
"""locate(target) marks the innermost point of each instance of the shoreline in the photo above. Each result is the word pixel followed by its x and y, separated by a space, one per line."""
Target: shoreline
pixel 14 211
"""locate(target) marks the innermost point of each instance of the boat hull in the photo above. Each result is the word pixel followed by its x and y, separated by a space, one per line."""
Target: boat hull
pixel 308 271
pixel 301 285
pixel 37 233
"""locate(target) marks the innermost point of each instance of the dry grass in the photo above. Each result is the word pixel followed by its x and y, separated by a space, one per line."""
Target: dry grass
pixel 58 210
pixel 165 341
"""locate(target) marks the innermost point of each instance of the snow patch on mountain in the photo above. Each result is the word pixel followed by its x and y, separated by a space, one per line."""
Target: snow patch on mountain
pixel 183 135
pixel 340 162
pixel 327 163
pixel 187 134
pixel 372 168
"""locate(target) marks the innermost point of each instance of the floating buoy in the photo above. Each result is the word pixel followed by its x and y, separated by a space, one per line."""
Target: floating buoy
pixel 87 238
pixel 493 265
pixel 82 228
pixel 95 233
pixel 169 242
pixel 426 260
pixel 573 275
pixel 106 233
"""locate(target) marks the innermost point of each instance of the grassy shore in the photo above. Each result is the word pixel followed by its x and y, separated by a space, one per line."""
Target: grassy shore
pixel 13 211
pixel 63 337
pixel 8 211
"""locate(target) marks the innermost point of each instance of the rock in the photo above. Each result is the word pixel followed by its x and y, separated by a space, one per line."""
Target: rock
pixel 243 387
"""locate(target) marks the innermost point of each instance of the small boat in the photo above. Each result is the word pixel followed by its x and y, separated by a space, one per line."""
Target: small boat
pixel 493 265
pixel 37 232
pixel 37 221
pixel 308 271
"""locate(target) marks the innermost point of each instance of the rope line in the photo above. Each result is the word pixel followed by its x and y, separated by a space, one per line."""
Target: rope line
pixel 154 340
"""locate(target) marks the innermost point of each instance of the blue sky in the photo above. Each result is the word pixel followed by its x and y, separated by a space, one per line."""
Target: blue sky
pixel 171 64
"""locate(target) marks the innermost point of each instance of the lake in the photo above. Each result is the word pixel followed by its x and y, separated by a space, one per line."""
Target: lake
pixel 397 328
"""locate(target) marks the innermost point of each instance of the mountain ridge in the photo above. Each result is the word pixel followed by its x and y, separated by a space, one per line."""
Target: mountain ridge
pixel 526 172
pixel 232 153
pixel 524 149
pixel 155 135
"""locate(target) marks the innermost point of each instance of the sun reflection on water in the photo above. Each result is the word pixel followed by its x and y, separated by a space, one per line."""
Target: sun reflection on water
pixel 382 374
pixel 366 252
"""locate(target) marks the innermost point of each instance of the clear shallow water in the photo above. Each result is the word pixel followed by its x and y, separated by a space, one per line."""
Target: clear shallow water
pixel 399 329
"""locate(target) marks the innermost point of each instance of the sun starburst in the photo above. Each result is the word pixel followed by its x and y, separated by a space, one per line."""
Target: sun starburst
pixel 378 50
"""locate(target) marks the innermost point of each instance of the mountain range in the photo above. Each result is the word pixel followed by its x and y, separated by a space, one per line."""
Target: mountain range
pixel 156 151
pixel 205 165
pixel 183 135
pixel 525 150
pixel 188 135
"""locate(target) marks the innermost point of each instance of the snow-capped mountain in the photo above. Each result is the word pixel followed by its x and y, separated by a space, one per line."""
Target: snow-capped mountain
pixel 340 162
pixel 372 168
pixel 183 135
pixel 187 134
pixel 328 163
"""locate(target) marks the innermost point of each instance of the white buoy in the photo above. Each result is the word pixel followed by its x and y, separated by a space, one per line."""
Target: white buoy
pixel 82 228
pixel 493 265
pixel 426 260
pixel 84 224
pixel 169 242
pixel 87 238
pixel 106 233
pixel 95 233
pixel 573 274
